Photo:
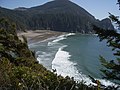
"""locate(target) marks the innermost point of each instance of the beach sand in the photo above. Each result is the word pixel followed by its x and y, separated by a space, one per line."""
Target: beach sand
pixel 38 35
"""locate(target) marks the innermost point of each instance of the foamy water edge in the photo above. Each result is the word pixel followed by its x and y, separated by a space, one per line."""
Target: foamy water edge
pixel 65 67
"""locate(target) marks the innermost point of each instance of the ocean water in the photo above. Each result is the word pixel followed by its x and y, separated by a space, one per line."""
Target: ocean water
pixel 74 55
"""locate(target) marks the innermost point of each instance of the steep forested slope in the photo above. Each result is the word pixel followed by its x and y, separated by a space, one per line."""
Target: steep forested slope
pixel 19 69
pixel 58 15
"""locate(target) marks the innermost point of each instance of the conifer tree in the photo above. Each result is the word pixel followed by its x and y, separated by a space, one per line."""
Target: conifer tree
pixel 112 70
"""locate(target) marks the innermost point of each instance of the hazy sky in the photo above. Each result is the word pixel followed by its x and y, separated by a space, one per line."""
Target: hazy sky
pixel 98 8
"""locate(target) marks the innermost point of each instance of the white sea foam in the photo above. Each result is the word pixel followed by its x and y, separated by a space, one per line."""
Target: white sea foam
pixel 107 83
pixel 61 62
pixel 70 34
pixel 65 67
pixel 41 56
pixel 45 58
pixel 59 38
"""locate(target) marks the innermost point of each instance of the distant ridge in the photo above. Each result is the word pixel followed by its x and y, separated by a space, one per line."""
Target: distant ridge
pixel 57 15
pixel 21 8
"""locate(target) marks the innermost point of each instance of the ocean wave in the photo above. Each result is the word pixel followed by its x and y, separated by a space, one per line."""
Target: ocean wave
pixel 61 62
pixel 59 38
pixel 63 66
pixel 70 34
pixel 45 58
pixel 42 56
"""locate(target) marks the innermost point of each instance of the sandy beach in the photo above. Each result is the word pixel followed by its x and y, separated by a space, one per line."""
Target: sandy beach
pixel 39 35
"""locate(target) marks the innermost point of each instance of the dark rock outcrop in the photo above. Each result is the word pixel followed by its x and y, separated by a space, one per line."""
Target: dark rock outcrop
pixel 106 24
pixel 21 8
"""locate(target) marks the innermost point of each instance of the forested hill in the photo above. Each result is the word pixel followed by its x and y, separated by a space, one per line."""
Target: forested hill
pixel 57 15
pixel 19 69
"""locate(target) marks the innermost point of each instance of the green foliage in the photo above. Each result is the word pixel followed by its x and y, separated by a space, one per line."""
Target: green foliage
pixel 62 16
pixel 112 68
pixel 20 71
pixel 113 38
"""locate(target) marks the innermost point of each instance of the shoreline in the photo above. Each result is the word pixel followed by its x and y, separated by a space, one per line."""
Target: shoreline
pixel 41 35
pixel 38 35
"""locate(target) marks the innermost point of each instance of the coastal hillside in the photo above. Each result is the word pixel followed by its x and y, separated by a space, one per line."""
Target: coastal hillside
pixel 19 70
pixel 57 15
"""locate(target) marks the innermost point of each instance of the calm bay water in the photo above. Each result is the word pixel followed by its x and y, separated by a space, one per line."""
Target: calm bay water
pixel 73 55
pixel 85 51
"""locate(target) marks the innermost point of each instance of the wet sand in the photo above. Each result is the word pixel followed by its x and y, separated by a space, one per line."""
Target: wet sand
pixel 38 35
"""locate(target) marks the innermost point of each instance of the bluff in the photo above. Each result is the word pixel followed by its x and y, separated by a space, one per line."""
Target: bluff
pixel 19 70
pixel 57 15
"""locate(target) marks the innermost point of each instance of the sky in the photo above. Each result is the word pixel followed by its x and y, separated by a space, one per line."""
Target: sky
pixel 98 8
